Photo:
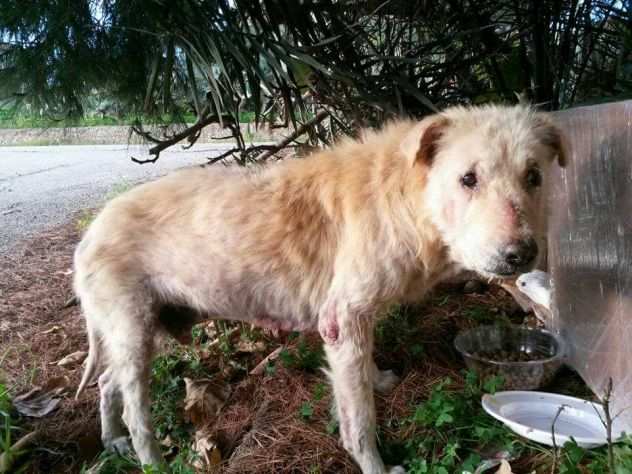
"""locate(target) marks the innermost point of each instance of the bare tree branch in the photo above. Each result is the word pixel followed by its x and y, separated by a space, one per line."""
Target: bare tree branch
pixel 320 116
pixel 161 145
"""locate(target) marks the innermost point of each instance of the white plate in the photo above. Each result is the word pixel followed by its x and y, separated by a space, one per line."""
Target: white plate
pixel 531 414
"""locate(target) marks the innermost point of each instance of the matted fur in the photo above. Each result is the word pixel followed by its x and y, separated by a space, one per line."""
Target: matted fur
pixel 317 244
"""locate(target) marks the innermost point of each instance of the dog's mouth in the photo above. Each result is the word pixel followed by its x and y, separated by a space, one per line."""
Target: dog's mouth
pixel 506 272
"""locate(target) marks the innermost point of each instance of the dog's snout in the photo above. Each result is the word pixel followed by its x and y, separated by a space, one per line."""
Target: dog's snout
pixel 521 253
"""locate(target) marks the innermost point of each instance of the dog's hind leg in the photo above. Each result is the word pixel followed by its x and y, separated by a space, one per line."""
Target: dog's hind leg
pixel 113 433
pixel 129 345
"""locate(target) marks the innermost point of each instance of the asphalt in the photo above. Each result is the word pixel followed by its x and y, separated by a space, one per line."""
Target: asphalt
pixel 44 186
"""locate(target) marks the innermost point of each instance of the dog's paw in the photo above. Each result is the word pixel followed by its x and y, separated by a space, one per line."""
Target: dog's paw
pixel 385 381
pixel 397 470
pixel 119 445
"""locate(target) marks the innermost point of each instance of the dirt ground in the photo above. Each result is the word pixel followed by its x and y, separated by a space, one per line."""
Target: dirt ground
pixel 259 429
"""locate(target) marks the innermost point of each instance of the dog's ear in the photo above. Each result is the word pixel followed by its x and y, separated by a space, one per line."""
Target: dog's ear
pixel 550 134
pixel 422 142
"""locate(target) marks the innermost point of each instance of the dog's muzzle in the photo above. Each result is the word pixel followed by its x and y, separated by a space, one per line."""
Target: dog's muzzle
pixel 518 256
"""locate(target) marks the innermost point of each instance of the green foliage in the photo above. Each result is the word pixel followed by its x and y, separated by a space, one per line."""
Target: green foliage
pixel 85 219
pixel 319 391
pixel 9 431
pixel 623 455
pixel 306 356
pixel 480 314
pixel 365 61
pixel 5 401
pixel 6 423
pixel 168 391
pixel 112 463
pixel 399 330
pixel 451 429
pixel 307 410
pixel 573 456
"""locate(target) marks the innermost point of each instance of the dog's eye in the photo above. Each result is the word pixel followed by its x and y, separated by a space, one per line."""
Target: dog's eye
pixel 469 180
pixel 534 178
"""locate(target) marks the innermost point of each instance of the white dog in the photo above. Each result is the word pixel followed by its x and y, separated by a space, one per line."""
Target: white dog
pixel 316 244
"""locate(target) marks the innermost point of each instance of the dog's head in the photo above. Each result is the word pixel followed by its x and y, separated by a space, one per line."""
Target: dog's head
pixel 486 171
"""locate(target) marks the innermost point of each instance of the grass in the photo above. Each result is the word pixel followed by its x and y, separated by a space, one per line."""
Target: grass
pixel 306 356
pixel 9 433
pixel 12 120
pixel 86 216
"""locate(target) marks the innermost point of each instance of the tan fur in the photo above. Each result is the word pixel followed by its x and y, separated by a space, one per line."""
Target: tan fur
pixel 321 243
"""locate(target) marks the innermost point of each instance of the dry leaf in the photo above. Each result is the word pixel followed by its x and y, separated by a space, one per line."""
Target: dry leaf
pixel 40 401
pixel 204 399
pixel 505 467
pixel 250 346
pixel 206 448
pixel 72 360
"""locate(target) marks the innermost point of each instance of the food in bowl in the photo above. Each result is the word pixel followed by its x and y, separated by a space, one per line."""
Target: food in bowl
pixel 526 358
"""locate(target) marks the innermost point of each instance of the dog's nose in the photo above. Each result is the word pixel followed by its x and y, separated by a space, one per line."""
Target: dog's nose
pixel 521 253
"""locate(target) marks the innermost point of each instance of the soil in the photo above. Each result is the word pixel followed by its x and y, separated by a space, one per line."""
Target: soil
pixel 258 430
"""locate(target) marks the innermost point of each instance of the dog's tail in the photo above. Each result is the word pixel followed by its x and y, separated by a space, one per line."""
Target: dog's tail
pixel 93 361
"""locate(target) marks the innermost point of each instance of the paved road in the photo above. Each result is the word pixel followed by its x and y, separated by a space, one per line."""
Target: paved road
pixel 43 186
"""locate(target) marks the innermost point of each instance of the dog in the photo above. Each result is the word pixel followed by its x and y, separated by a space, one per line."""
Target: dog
pixel 322 243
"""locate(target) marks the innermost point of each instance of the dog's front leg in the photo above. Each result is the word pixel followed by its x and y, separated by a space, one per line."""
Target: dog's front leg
pixel 348 337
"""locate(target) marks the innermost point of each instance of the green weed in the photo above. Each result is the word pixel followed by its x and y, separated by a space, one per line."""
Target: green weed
pixel 306 411
pixel 8 432
pixel 573 456
pixel 85 219
pixel 87 216
pixel 305 357
pixel 480 314
pixel 118 189
pixel 451 429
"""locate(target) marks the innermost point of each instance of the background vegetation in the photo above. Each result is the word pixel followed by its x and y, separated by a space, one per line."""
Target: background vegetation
pixel 209 61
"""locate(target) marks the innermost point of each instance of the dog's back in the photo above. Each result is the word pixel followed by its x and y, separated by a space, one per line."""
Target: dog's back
pixel 242 243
